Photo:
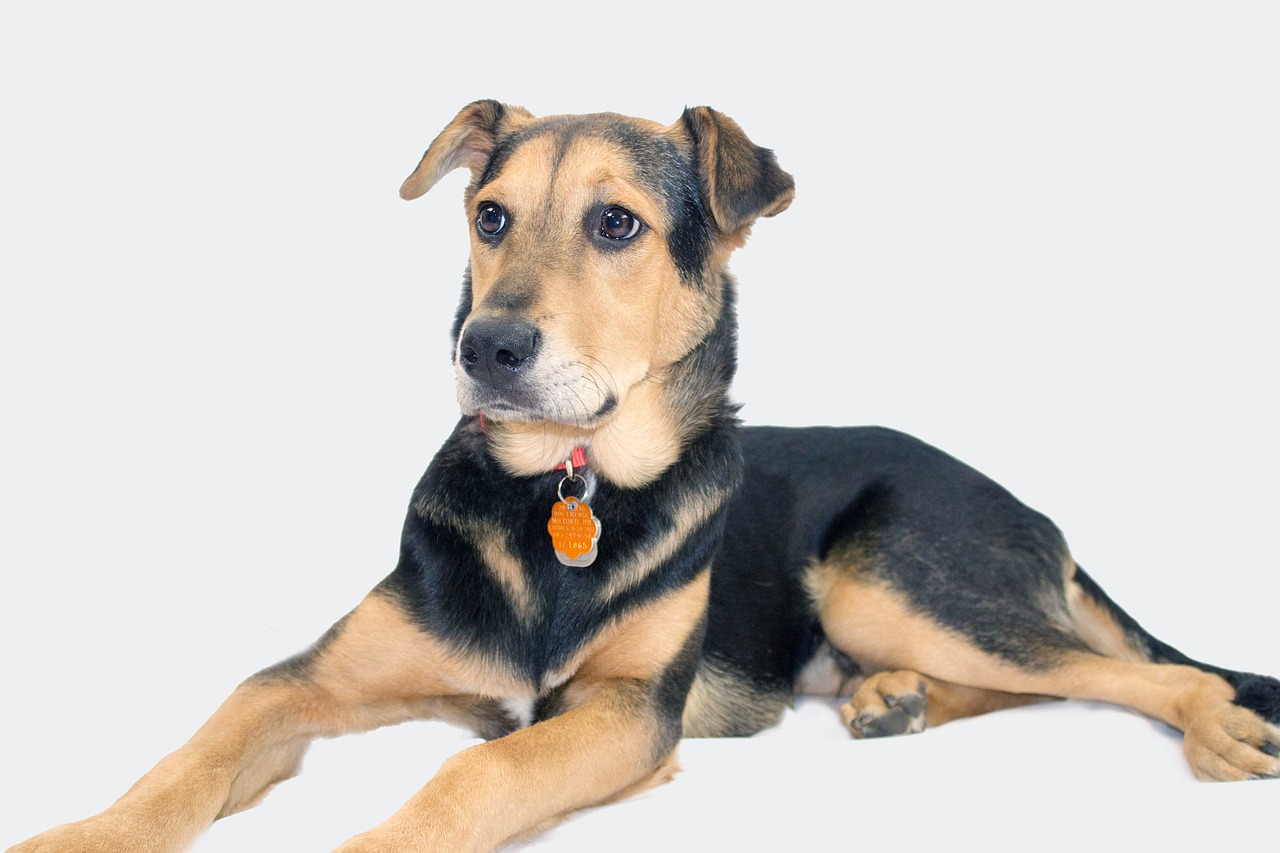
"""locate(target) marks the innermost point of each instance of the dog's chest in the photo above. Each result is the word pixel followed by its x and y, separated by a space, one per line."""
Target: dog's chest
pixel 479 568
pixel 487 580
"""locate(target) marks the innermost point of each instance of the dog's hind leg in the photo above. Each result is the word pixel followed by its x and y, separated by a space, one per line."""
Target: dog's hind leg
pixel 371 669
pixel 1252 714
pixel 1225 737
pixel 895 702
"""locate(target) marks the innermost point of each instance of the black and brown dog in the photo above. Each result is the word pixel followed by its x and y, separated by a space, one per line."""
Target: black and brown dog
pixel 600 560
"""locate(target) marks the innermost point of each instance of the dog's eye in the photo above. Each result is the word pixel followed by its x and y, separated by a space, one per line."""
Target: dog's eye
pixel 491 219
pixel 618 223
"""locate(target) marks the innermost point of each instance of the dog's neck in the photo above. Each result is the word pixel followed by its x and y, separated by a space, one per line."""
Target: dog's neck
pixel 638 442
pixel 651 426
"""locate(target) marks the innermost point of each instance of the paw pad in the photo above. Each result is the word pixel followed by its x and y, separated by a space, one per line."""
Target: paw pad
pixel 886 705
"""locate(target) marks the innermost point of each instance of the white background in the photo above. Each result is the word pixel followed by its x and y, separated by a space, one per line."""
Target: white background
pixel 1041 237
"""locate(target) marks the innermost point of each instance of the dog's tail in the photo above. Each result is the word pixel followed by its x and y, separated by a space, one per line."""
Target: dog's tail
pixel 1258 693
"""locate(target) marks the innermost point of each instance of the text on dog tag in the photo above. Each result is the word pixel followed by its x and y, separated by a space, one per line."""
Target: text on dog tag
pixel 574 532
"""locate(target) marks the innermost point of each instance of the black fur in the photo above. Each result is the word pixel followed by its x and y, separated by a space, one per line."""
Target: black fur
pixel 510 297
pixel 893 511
pixel 441 582
pixel 460 315
pixel 960 549
pixel 963 550
pixel 660 165
pixel 1258 693
pixel 746 178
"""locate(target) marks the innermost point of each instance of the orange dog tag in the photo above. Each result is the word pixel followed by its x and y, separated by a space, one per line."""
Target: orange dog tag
pixel 574 532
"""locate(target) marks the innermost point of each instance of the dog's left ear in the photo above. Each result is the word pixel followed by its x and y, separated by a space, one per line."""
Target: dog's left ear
pixel 467 141
pixel 740 180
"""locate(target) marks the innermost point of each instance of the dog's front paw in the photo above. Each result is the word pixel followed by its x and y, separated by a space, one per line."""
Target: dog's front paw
pixel 887 703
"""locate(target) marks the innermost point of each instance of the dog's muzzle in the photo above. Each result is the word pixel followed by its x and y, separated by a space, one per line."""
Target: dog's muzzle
pixel 495 351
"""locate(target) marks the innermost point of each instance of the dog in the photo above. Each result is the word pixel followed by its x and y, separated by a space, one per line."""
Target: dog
pixel 600 560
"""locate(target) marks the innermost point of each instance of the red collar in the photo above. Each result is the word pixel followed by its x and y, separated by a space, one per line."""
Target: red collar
pixel 578 457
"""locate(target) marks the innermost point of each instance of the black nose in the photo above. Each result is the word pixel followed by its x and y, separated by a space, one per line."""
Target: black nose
pixel 497 349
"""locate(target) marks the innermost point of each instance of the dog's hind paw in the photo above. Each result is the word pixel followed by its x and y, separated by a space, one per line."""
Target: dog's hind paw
pixel 887 703
pixel 1232 743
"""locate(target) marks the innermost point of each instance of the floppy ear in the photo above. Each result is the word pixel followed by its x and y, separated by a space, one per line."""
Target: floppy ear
pixel 467 141
pixel 740 180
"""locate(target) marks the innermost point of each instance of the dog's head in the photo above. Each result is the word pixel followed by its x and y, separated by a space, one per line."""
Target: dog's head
pixel 596 246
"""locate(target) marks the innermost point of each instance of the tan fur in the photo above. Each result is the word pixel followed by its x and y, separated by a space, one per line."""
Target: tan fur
pixel 641 441
pixel 253 741
pixel 613 327
pixel 642 644
pixel 666 771
pixel 378 670
pixel 871 700
pixel 274 764
pixel 465 143
pixel 639 646
pixel 728 159
pixel 632 448
pixel 875 624
pixel 381 660
pixel 872 624
pixel 607 318
pixel 529 449
pixel 498 790
pixel 1095 625
pixel 690 514
pixel 944 701
pixel 495 551
pixel 612 324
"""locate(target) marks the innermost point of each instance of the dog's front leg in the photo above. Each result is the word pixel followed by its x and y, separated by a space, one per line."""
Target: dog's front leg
pixel 372 669
pixel 618 732
pixel 256 738
pixel 509 787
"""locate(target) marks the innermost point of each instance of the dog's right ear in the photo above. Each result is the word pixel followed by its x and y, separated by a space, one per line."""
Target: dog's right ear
pixel 467 141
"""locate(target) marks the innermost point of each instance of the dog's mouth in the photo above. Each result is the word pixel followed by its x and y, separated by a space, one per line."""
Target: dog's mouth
pixel 547 395
pixel 498 408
